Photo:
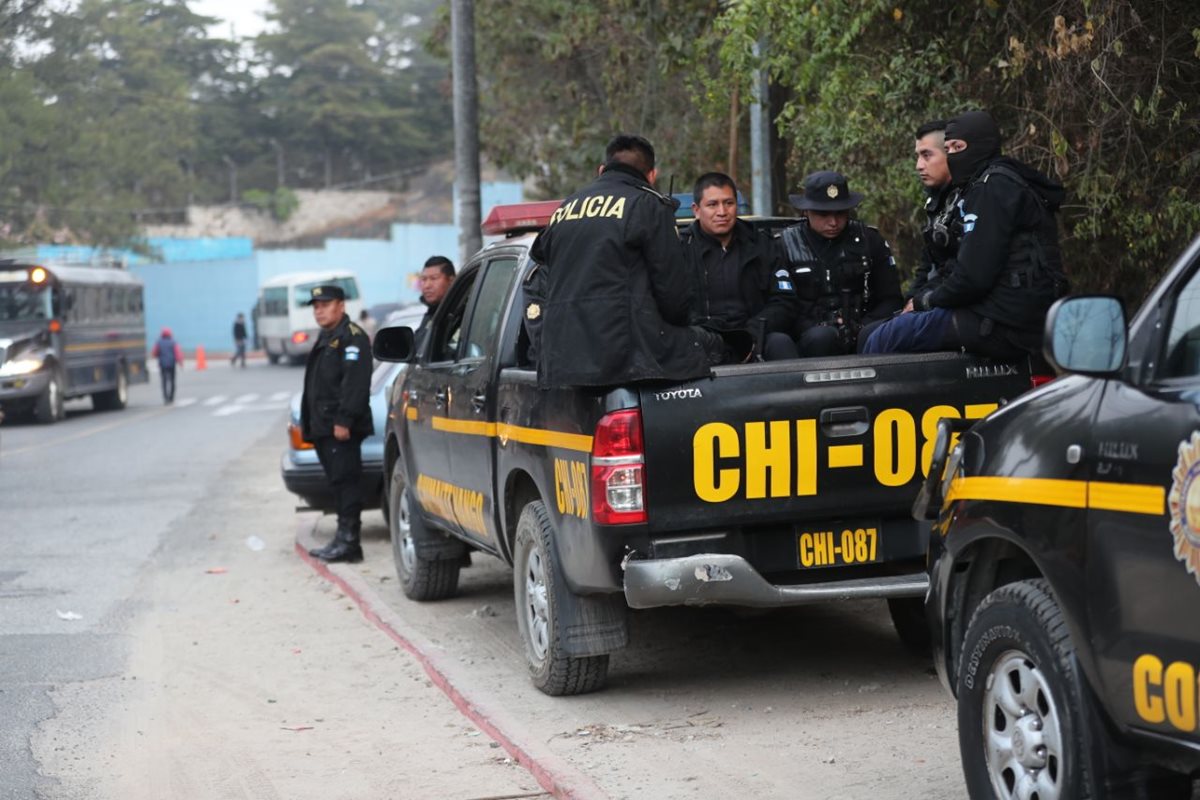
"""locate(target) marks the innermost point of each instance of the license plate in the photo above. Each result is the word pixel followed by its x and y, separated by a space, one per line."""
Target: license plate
pixel 839 546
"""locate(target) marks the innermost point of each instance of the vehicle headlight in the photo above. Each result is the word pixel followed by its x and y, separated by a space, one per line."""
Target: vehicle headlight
pixel 20 366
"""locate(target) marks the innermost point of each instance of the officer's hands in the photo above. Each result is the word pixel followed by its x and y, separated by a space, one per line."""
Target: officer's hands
pixel 341 433
pixel 908 307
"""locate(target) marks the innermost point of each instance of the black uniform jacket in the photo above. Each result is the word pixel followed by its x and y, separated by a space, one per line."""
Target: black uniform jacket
pixel 764 283
pixel 883 281
pixel 337 383
pixel 617 293
pixel 932 268
pixel 994 212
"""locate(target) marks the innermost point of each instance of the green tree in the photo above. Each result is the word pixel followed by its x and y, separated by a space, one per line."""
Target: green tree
pixel 341 92
pixel 1100 93
pixel 557 79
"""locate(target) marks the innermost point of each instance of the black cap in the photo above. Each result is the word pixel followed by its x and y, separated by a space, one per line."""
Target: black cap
pixel 325 292
pixel 826 191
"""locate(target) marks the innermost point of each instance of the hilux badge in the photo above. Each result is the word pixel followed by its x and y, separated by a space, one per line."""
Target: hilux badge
pixel 1184 505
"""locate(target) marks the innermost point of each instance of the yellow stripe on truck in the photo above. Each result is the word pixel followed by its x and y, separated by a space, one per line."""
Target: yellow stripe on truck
pixel 1134 498
pixel 514 433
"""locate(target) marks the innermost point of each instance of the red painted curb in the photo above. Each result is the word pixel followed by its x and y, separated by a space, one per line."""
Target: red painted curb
pixel 545 777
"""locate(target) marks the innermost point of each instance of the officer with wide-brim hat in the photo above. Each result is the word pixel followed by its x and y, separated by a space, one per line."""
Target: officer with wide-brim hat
pixel 842 269
pixel 826 191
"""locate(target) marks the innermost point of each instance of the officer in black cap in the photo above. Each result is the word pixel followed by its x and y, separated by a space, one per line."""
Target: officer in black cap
pixel 335 413
pixel 1008 268
pixel 842 269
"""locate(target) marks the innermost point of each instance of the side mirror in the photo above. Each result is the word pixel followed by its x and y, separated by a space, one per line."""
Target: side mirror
pixel 1086 334
pixel 393 344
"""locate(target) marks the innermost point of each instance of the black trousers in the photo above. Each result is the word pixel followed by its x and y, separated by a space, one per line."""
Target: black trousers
pixel 342 462
pixel 168 383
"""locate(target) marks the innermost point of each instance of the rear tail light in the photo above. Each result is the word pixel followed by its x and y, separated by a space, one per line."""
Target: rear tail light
pixel 299 337
pixel 297 438
pixel 1036 380
pixel 618 470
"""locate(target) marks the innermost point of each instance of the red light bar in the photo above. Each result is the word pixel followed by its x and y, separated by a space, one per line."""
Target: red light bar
pixel 519 217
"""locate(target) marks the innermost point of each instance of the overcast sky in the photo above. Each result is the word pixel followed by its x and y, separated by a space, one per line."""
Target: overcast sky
pixel 244 15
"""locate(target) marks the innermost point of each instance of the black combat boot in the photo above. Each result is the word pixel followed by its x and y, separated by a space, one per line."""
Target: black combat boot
pixel 345 545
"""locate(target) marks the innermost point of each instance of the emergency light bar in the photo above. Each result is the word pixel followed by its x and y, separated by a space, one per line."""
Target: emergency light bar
pixel 514 218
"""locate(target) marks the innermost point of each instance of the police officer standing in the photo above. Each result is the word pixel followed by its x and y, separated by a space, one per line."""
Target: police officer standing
pixel 335 414
pixel 843 270
pixel 995 291
pixel 613 300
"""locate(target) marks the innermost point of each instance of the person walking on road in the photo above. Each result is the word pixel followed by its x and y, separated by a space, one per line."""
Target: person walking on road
pixel 169 355
pixel 239 341
pixel 335 414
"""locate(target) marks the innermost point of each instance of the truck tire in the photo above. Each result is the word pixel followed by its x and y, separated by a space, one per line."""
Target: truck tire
pixel 539 588
pixel 1022 714
pixel 908 618
pixel 421 578
pixel 49 406
pixel 113 399
pixel 272 357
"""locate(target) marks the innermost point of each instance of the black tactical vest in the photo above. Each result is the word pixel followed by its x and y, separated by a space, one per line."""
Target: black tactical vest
pixel 1035 260
pixel 838 282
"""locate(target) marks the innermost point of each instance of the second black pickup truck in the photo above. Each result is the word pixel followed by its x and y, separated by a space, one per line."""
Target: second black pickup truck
pixel 765 484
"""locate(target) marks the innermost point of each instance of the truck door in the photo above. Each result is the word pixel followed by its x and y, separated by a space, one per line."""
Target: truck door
pixel 471 399
pixel 426 399
pixel 1144 530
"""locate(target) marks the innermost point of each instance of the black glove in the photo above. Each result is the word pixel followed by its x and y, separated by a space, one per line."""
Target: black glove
pixel 921 301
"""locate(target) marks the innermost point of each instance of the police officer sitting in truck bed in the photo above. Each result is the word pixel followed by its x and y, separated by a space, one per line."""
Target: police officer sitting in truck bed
pixel 1008 270
pixel 843 269
pixel 742 282
pixel 613 299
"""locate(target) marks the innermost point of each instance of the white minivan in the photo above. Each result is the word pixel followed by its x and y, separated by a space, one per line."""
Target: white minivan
pixel 286 328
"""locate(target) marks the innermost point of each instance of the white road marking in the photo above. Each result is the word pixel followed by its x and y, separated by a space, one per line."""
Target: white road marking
pixel 234 408
pixel 215 400
pixel 281 396
pixel 185 402
pixel 246 399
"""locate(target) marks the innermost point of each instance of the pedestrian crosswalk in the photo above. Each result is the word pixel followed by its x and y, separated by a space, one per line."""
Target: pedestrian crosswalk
pixel 222 405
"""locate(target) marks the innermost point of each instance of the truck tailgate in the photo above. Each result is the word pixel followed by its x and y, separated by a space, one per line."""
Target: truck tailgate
pixel 847 439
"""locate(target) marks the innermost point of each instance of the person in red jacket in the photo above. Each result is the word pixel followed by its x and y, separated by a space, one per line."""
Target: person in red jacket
pixel 169 355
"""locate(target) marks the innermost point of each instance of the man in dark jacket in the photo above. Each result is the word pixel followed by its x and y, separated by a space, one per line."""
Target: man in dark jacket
pixel 1008 269
pixel 742 282
pixel 615 301
pixel 335 414
pixel 843 269
pixel 436 277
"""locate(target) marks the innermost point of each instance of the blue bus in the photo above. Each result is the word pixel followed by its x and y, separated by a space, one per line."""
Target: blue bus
pixel 66 332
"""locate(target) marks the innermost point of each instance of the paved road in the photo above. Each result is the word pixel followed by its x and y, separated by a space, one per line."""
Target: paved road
pixel 260 679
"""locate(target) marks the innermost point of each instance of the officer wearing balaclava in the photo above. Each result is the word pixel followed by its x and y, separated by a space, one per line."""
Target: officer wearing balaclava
pixel 1008 269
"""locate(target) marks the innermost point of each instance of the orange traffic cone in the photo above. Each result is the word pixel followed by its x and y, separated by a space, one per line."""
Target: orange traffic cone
pixel 201 361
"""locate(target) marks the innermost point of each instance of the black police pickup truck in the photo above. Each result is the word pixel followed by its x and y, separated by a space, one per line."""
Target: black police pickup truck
pixel 1065 561
pixel 766 484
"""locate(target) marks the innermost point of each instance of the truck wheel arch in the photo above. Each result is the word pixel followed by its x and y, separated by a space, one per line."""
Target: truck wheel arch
pixel 519 491
pixel 981 568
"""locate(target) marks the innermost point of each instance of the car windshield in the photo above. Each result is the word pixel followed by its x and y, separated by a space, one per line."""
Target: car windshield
pixel 20 302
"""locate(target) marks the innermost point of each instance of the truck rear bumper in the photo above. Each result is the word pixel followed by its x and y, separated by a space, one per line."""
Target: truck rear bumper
pixel 714 579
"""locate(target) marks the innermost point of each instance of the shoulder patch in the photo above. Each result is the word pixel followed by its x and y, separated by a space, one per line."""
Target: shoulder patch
pixel 352 353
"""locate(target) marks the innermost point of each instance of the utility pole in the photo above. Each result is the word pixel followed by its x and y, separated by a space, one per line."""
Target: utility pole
pixel 467 211
pixel 760 139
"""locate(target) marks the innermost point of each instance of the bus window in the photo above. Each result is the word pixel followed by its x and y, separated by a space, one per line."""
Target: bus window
pixel 19 301
pixel 275 302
